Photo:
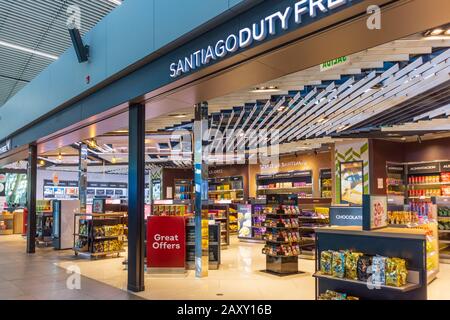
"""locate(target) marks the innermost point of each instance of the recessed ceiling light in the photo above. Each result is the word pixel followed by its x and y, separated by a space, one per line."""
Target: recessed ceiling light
pixel 265 89
pixel 436 32
pixel 178 115
pixel 28 50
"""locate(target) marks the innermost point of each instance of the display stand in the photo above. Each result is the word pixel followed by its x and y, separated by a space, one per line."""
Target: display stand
pixel 214 246
pixel 230 188
pixel 282 237
pixel 390 242
pixel 443 218
pixel 98 235
pixel 183 189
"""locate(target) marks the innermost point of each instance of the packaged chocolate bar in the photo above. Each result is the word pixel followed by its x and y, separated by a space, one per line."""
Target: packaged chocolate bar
pixel 326 257
pixel 396 272
pixel 351 264
pixel 379 270
pixel 364 266
pixel 332 295
pixel 338 264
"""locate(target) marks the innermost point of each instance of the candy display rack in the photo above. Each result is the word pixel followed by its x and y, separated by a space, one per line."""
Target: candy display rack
pixel 389 242
pixel 99 235
pixel 282 235
pixel 295 182
pixel 6 223
pixel 214 245
pixel 443 218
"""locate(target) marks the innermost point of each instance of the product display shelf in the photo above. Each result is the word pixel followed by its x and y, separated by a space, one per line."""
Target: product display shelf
pixel 172 207
pixel 183 189
pixel 214 245
pixel 326 183
pixel 99 235
pixel 220 213
pixel 315 213
pixel 228 188
pixel 389 242
pixel 44 223
pixel 294 182
pixel 6 223
pixel 282 240
pixel 443 217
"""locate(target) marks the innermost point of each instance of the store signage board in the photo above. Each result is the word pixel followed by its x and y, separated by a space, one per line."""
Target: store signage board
pixel 445 166
pixel 395 168
pixel 328 65
pixel 346 216
pixel 423 168
pixel 375 212
pixel 5 146
pixel 271 25
pixel 166 248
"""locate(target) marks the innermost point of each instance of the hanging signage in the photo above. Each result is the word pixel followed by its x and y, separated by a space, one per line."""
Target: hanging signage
pixel 422 168
pixel 346 216
pixel 259 31
pixel 328 65
pixel 166 242
pixel 375 212
pixel 395 168
pixel 5 146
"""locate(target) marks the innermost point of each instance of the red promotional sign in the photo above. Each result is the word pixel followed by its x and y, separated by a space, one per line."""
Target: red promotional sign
pixel 166 242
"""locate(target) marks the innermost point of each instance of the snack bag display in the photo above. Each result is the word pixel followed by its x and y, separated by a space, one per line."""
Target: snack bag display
pixel 396 272
pixel 338 264
pixel 363 267
pixel 378 270
pixel 351 264
pixel 326 258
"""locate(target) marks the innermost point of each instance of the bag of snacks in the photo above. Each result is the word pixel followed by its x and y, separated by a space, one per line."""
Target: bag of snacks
pixel 364 263
pixel 378 270
pixel 332 295
pixel 325 262
pixel 396 272
pixel 338 264
pixel 351 264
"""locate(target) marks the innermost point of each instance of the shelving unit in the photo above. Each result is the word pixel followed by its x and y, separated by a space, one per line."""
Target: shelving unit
pixel 98 235
pixel 326 183
pixel 229 188
pixel 183 189
pixel 6 224
pixel 390 242
pixel 220 212
pixel 214 245
pixel 443 217
pixel 395 182
pixel 294 182
pixel 282 237
pixel 172 207
pixel 315 213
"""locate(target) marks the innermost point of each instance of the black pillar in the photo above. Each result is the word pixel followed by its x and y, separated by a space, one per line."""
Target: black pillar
pixel 136 197
pixel 31 199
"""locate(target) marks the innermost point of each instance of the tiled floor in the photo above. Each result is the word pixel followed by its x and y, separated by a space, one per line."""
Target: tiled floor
pixel 38 276
pixel 239 277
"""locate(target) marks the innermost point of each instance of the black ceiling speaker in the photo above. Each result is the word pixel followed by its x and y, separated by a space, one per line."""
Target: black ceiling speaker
pixel 81 50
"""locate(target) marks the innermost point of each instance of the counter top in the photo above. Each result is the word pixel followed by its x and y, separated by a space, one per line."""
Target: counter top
pixel 405 233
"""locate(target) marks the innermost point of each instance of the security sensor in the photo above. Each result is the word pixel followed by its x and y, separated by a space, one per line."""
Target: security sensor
pixel 81 50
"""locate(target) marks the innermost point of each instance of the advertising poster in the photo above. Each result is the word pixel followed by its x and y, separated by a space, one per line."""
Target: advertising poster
pixel 352 182
pixel 245 220
pixel 166 242
pixel 375 213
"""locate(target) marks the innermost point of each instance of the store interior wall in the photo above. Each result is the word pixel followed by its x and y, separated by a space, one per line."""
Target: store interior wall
pixel 383 151
pixel 309 161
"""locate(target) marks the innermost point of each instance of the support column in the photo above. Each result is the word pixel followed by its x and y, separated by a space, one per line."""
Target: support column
pixel 201 191
pixel 31 198
pixel 82 177
pixel 136 198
